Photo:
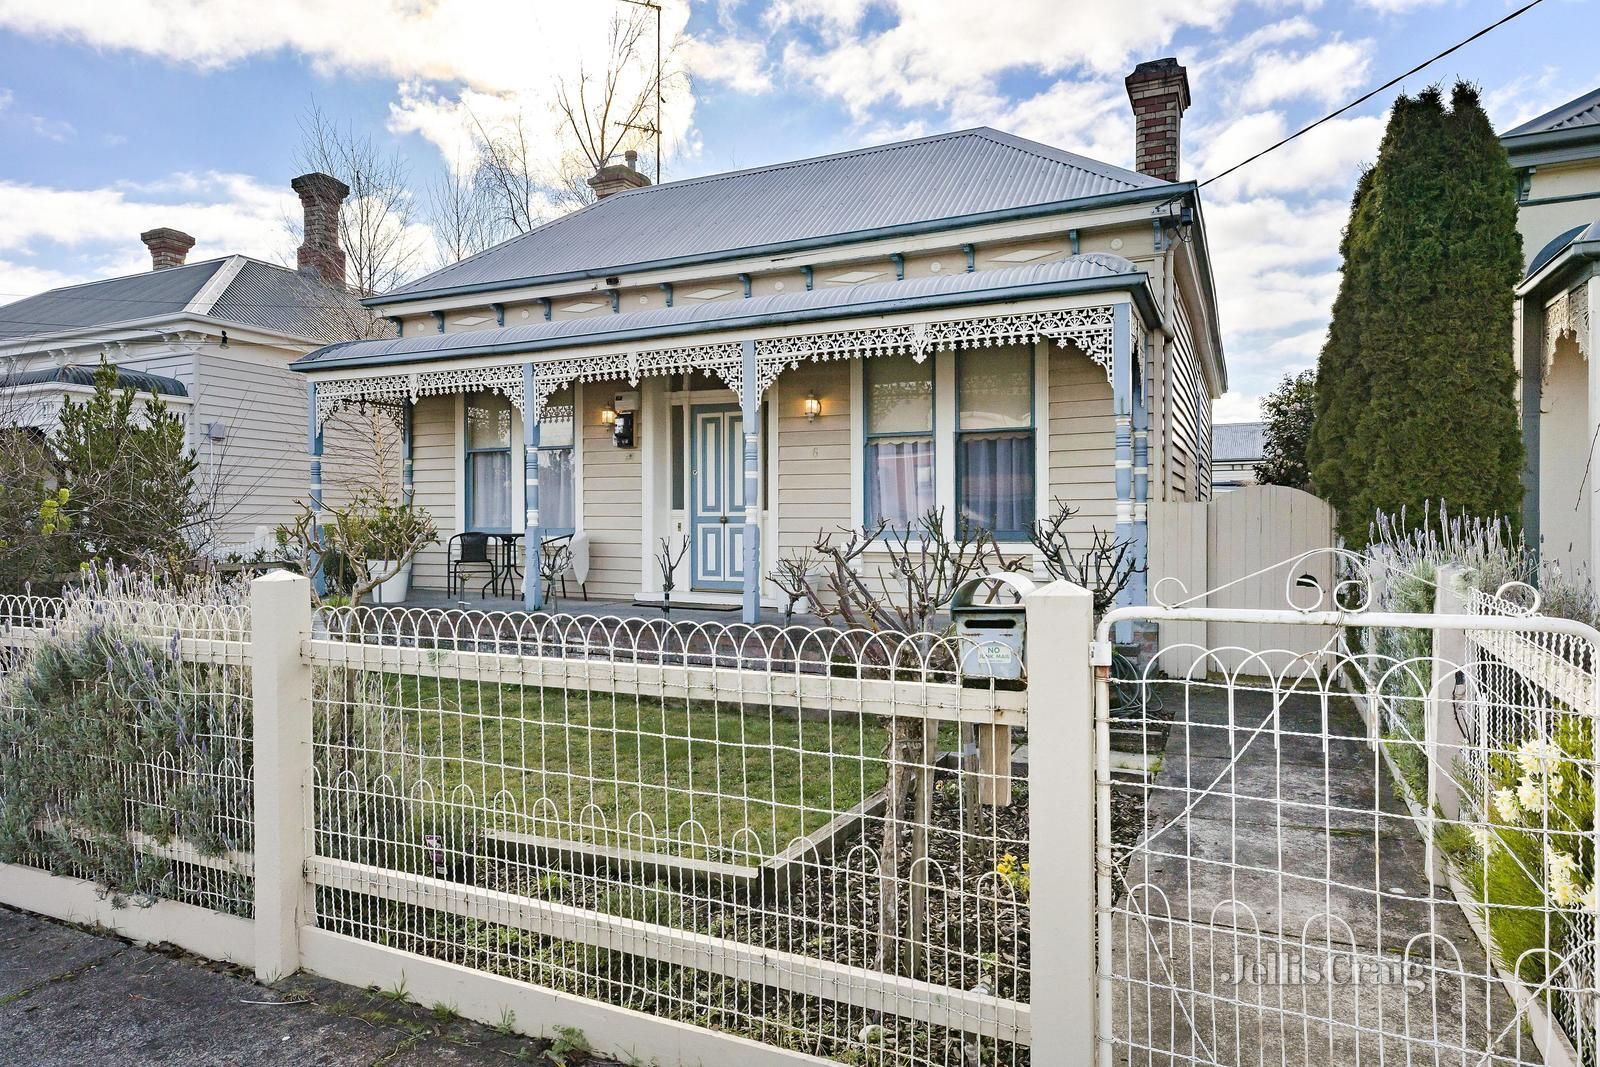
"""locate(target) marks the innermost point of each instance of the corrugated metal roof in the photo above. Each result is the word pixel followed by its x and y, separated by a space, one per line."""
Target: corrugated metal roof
pixel 76 374
pixel 1584 111
pixel 283 301
pixel 723 314
pixel 947 176
pixel 259 295
pixel 1237 442
pixel 101 303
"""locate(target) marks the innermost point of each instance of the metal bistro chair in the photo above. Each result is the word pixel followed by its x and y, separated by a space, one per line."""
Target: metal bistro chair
pixel 471 549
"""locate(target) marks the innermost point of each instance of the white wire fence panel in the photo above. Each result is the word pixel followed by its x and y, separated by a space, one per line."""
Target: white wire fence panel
pixel 125 746
pixel 811 838
pixel 1299 872
pixel 1527 700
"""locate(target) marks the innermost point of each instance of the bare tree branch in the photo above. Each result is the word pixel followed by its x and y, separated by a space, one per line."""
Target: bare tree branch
pixel 374 224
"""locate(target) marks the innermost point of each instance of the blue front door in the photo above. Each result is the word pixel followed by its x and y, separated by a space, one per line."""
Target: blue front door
pixel 716 485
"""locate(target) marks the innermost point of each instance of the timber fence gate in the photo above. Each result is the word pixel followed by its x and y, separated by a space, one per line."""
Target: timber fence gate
pixel 694 843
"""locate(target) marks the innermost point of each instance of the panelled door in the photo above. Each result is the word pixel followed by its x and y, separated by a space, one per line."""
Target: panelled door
pixel 716 483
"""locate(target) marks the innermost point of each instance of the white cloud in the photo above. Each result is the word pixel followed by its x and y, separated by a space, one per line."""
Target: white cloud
pixel 499 56
pixel 6 96
pixel 939 50
pixel 1276 262
pixel 58 130
pixel 1237 407
pixel 1246 47
pixel 1327 158
pixel 1530 95
pixel 737 62
pixel 1092 118
pixel 226 213
pixel 1399 7
pixel 1329 73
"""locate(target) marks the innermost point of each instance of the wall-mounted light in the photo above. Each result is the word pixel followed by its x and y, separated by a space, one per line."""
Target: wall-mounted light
pixel 813 406
pixel 608 414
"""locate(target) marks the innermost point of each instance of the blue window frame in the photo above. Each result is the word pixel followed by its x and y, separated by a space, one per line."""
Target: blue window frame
pixel 995 472
pixel 899 441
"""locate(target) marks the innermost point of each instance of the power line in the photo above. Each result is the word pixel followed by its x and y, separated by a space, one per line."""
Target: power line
pixel 1369 95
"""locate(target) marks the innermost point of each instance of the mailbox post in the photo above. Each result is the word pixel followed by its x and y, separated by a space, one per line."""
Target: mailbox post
pixel 991 638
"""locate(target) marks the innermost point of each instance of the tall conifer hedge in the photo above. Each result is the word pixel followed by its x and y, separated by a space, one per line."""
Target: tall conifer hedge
pixel 1416 385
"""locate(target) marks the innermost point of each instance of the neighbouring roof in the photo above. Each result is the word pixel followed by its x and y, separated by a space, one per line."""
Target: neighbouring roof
pixel 247 291
pixel 1088 272
pixel 930 179
pixel 79 374
pixel 1584 111
pixel 1237 442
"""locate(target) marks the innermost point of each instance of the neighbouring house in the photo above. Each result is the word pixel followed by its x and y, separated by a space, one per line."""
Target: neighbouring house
pixel 1236 448
pixel 971 321
pixel 213 339
pixel 1557 160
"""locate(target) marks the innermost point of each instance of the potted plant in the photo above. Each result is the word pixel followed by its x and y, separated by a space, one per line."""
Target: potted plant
pixel 375 540
pixel 394 534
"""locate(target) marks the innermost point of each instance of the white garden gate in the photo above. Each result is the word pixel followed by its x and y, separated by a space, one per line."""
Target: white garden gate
pixel 1378 849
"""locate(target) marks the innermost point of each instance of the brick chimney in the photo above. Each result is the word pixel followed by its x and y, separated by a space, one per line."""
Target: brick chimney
pixel 168 247
pixel 320 252
pixel 1159 92
pixel 617 178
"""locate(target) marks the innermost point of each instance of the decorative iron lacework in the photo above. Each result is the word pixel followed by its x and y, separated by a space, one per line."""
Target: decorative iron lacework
pixel 1092 329
pixel 1566 316
pixel 504 380
pixel 550 378
pixel 687 358
pixel 391 390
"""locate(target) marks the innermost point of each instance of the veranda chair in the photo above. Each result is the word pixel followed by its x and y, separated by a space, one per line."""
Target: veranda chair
pixel 471 549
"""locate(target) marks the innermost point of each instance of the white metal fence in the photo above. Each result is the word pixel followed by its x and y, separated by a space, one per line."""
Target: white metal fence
pixel 1377 850
pixel 695 842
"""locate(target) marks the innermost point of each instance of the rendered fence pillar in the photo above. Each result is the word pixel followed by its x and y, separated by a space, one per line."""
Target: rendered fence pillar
pixel 532 534
pixel 1447 693
pixel 280 624
pixel 1061 828
pixel 750 402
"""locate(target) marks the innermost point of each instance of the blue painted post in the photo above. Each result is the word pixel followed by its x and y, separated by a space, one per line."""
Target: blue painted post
pixel 319 580
pixel 750 402
pixel 408 480
pixel 533 589
pixel 1122 403
pixel 1138 588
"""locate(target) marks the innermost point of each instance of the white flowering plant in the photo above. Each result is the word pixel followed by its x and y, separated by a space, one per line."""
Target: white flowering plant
pixel 1534 853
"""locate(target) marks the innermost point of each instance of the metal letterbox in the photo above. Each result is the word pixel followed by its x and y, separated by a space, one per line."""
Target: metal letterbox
pixel 991 635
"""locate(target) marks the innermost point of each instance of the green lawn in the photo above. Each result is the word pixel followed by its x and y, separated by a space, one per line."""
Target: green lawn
pixel 591 763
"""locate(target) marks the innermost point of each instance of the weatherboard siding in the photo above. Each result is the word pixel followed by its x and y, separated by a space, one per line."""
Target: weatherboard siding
pixel 1082 443
pixel 814 459
pixel 613 485
pixel 259 468
pixel 434 456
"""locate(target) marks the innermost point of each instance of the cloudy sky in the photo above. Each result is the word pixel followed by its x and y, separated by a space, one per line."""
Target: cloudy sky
pixel 115 118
